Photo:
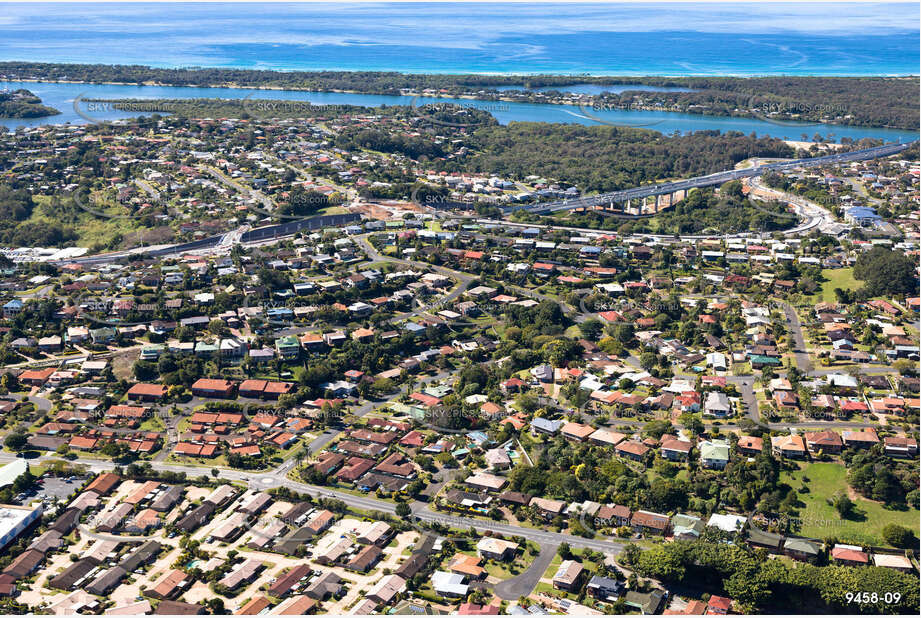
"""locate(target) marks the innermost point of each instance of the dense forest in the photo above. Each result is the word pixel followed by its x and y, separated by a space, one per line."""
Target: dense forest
pixel 760 585
pixel 869 101
pixel 16 208
pixel 702 212
pixel 602 158
pixel 23 104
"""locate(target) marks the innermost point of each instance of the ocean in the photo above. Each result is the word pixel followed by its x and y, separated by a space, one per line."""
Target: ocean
pixel 507 38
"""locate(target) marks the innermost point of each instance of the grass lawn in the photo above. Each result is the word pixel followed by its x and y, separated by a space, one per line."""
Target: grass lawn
pixel 573 331
pixel 741 369
pixel 589 566
pixel 821 520
pixel 152 424
pixel 551 570
pixel 837 278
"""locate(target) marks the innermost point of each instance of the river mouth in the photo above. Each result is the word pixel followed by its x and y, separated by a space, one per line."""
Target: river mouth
pixel 62 96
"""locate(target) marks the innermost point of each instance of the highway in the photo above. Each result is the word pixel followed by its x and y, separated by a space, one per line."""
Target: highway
pixel 604 199
pixel 718 178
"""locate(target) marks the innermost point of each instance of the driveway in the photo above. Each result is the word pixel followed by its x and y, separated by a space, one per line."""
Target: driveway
pixel 802 357
pixel 522 585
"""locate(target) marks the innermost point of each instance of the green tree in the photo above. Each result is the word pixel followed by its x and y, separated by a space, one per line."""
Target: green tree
pixel 898 536
pixel 16 441
pixel 886 272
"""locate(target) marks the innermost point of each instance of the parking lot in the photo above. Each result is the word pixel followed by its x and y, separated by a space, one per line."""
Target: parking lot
pixel 51 488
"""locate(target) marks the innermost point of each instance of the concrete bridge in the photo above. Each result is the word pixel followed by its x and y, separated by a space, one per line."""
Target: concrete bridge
pixel 650 199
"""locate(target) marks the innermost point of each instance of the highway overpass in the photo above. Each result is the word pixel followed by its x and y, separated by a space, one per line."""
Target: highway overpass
pixel 682 186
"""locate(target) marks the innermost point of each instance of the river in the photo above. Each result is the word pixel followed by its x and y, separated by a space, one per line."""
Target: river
pixel 62 95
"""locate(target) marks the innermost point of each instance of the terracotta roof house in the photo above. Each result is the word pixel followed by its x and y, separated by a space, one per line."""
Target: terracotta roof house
pixel 104 483
pixel 170 584
pixel 207 387
pixel 255 606
pixel 719 605
pixel 647 522
pixel 900 446
pixel 632 449
pixel 295 606
pixel 285 583
pixel 788 446
pixel 750 445
pixel 613 515
pixel 849 555
pixel 146 392
pixel 827 441
pixel 464 564
pixel 577 431
pixel 675 450
pixel 861 439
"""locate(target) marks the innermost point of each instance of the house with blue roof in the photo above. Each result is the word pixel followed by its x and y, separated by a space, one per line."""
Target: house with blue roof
pixel 862 215
pixel 543 425
pixel 12 308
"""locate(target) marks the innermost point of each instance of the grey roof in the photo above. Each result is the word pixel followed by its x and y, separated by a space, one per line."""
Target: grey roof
pixel 67 521
pixel 296 538
pixel 647 602
pixel 324 586
pixel 256 503
pixel 546 425
pixel 197 517
pixel 764 538
pixel 412 565
pixel 72 574
pixel 24 563
pixel 168 498
pixel 107 581
pixel 802 546
pixel 50 539
pixel 142 555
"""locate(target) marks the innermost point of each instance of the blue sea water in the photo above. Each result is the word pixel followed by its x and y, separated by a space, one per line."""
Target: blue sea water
pixel 507 38
pixel 615 39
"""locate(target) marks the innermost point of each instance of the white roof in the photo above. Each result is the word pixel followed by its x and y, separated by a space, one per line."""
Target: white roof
pixel 841 379
pixel 11 471
pixel 16 518
pixel 892 561
pixel 727 523
pixel 449 582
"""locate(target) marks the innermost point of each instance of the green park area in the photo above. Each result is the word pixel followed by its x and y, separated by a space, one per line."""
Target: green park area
pixel 836 278
pixel 819 518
